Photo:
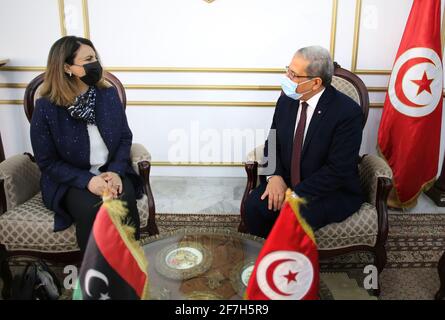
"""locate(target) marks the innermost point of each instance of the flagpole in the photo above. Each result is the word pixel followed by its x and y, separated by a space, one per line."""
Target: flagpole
pixel 437 191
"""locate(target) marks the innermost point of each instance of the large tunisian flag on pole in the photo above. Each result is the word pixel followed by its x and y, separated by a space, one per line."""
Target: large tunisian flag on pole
pixel 409 133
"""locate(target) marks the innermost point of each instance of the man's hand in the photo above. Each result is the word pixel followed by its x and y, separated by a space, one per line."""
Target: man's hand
pixel 97 185
pixel 275 190
pixel 114 183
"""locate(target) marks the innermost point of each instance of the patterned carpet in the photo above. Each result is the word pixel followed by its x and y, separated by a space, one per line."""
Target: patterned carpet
pixel 415 244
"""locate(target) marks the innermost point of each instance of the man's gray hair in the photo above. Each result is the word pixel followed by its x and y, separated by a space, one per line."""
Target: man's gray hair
pixel 320 63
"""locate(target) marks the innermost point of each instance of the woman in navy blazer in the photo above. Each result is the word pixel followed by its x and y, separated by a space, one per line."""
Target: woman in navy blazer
pixel 81 140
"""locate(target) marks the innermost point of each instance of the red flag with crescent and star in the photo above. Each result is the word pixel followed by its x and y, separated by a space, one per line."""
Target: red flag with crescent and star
pixel 287 266
pixel 409 132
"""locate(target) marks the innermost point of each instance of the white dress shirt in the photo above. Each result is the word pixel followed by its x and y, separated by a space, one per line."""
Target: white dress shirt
pixel 312 104
pixel 98 149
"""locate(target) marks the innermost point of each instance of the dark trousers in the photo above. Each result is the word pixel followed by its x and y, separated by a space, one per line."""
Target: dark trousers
pixel 260 219
pixel 83 206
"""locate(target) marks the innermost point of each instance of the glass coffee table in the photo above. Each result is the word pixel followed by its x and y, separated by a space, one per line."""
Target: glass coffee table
pixel 200 264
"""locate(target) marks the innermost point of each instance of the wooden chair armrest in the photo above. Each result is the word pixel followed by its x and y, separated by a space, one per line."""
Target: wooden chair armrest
pixel 144 171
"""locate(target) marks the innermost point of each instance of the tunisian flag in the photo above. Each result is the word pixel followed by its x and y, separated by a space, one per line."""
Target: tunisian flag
pixel 287 266
pixel 114 266
pixel 409 133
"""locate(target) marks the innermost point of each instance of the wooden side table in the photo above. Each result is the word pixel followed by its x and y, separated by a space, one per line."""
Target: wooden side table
pixel 441 268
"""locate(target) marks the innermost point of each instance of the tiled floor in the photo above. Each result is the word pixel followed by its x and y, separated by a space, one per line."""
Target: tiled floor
pixel 223 195
pixel 197 194
pixel 424 205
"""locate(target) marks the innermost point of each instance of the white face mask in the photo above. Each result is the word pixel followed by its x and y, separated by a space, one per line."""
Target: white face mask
pixel 290 88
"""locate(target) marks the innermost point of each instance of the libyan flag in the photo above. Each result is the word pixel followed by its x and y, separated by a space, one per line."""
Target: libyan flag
pixel 287 266
pixel 114 265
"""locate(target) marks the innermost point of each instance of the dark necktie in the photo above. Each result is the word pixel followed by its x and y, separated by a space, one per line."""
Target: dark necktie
pixel 298 146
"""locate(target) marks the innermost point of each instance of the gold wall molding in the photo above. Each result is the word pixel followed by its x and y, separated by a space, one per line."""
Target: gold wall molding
pixel 62 18
pixel 334 28
pixel 191 87
pixel 173 87
pixel 162 69
pixel 86 24
pixel 196 164
pixel 61 7
pixel 86 19
pixel 200 104
pixel 377 89
pixel 201 87
pixel 195 70
pixel 22 68
pixel 148 103
pixel 11 102
pixel 13 85
pixel 87 34
pixel 356 42
pixel 355 48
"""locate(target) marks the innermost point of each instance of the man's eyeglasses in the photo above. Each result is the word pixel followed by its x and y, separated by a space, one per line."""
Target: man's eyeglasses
pixel 293 75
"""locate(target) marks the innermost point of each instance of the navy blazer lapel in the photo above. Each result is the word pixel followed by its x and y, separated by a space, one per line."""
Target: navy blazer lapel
pixel 319 113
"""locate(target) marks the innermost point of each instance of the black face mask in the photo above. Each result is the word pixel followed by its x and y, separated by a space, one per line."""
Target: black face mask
pixel 93 73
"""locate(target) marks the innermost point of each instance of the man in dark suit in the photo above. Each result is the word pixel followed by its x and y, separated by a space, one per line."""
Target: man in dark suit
pixel 318 132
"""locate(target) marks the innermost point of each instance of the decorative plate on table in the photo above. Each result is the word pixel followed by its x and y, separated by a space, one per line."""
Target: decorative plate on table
pixel 240 275
pixel 182 261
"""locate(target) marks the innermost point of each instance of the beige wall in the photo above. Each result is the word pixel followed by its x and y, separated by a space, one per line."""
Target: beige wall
pixel 167 53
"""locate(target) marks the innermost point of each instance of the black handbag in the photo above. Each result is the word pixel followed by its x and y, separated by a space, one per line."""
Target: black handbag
pixel 37 282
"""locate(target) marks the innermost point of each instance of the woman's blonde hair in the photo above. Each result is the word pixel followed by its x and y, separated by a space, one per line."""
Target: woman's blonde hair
pixel 58 86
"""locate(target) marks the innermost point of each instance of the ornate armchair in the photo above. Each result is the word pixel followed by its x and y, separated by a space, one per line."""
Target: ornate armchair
pixel 365 230
pixel 26 225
